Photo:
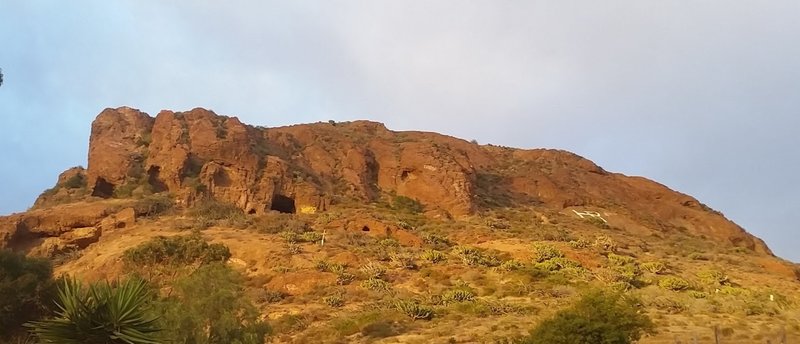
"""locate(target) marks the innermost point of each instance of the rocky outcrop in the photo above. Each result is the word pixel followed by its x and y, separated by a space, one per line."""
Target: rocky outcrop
pixel 309 168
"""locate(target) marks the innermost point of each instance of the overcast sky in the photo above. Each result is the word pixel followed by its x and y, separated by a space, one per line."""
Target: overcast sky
pixel 703 96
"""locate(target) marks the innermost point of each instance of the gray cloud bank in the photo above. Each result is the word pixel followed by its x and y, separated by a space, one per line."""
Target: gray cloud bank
pixel 702 96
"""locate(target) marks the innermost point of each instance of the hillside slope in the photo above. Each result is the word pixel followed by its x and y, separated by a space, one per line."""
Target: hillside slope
pixel 401 199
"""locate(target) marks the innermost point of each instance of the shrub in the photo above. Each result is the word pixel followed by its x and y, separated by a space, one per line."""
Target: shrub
pixel 457 295
pixel 618 260
pixel 599 317
pixel 334 301
pixel 271 296
pixel 433 256
pixel 697 294
pixel 511 265
pixel 344 278
pixel 209 306
pixel 414 309
pixel 605 244
pixel 176 251
pixel 25 289
pixel 100 314
pixel 714 277
pixel 406 204
pixel 77 181
pixel 667 304
pixel 475 257
pixel 578 244
pixel 375 284
pixel 674 283
pixel 403 260
pixel 310 237
pixel 153 205
pixel 212 209
pixel 543 252
pixel 373 270
pixel 438 242
pixel 654 267
pixel 557 264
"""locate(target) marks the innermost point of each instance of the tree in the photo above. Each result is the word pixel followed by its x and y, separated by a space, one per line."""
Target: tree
pixel 25 288
pixel 100 314
pixel 1 77
pixel 210 308
pixel 598 318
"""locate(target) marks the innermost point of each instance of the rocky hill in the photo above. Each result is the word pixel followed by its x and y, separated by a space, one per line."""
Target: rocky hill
pixel 360 177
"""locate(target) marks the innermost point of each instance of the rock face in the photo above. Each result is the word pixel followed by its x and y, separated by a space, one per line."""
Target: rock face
pixel 309 168
pixel 47 232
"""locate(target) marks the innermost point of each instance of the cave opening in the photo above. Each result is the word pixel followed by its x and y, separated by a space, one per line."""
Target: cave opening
pixel 102 189
pixel 283 204
pixel 154 180
pixel 365 229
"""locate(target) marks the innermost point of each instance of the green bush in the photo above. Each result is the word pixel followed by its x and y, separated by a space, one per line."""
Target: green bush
pixel 334 301
pixel 212 209
pixel 457 295
pixel 543 252
pixel 375 284
pixel 153 205
pixel 714 277
pixel 618 260
pixel 557 264
pixel 598 318
pixel 100 314
pixel 674 283
pixel 373 270
pixel 605 244
pixel 511 265
pixel 439 242
pixel 406 204
pixel 25 289
pixel 414 309
pixel 176 251
pixel 578 244
pixel 433 256
pixel 75 182
pixel 654 267
pixel 475 257
pixel 209 306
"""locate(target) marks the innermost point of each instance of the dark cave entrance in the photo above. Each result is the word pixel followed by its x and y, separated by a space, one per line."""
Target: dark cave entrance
pixel 154 180
pixel 283 204
pixel 102 189
pixel 365 229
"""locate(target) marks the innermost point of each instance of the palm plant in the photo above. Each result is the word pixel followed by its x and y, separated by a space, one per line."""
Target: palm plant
pixel 99 314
